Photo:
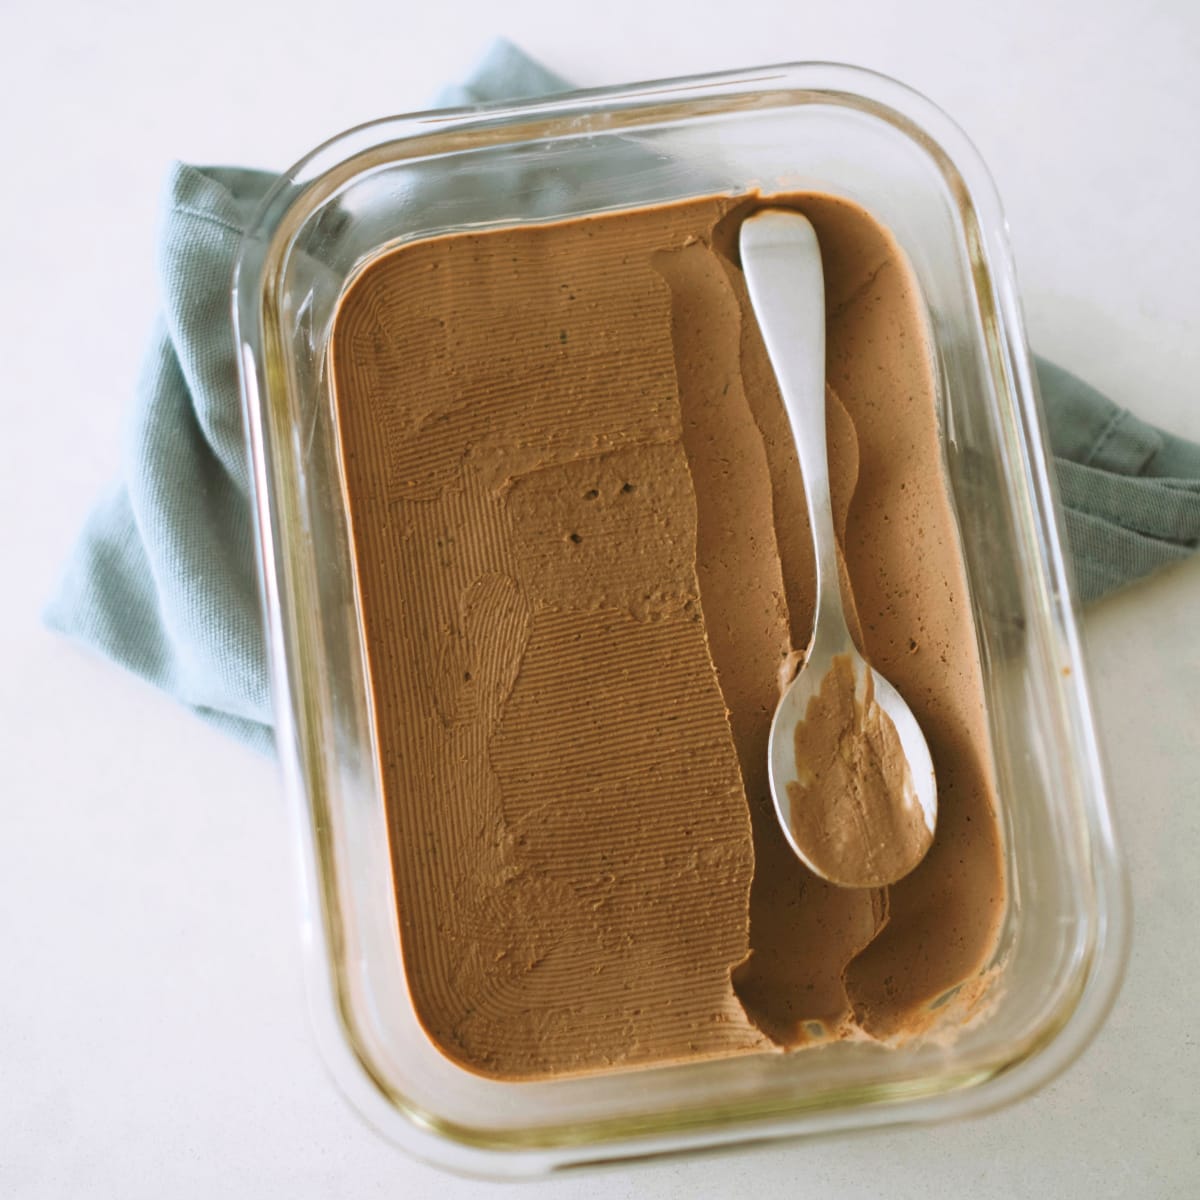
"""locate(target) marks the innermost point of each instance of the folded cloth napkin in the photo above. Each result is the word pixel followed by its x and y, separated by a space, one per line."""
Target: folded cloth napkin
pixel 163 578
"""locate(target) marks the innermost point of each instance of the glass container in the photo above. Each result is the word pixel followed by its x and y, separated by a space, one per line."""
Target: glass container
pixel 812 126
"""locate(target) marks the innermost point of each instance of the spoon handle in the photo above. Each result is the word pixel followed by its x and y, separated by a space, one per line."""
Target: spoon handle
pixel 782 264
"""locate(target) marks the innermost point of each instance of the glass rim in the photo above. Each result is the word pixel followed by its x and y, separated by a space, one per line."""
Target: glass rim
pixel 258 273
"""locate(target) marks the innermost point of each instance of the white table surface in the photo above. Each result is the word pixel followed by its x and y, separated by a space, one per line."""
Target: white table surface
pixel 153 1030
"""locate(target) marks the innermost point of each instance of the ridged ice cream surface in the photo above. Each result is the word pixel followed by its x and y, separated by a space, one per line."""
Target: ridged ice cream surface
pixel 582 555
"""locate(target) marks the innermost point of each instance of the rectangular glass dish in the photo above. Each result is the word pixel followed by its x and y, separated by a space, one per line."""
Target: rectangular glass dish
pixel 804 128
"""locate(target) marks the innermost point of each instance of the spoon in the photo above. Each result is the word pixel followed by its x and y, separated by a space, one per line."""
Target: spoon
pixel 851 777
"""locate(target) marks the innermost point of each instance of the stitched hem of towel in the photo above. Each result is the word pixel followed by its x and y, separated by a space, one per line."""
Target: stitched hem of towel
pixel 1125 445
pixel 1107 558
pixel 209 218
pixel 1165 509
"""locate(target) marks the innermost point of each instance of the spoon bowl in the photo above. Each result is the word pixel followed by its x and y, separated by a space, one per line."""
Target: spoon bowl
pixel 851 775
pixel 849 840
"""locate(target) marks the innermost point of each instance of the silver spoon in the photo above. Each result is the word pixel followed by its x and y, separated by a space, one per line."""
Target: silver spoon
pixel 854 810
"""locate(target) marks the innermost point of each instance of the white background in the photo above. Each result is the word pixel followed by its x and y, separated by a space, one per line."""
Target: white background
pixel 153 1032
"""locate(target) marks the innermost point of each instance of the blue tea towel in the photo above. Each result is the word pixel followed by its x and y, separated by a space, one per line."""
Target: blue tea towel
pixel 163 578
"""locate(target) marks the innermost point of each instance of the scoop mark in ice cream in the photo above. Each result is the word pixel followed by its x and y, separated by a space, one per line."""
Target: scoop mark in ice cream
pixel 581 562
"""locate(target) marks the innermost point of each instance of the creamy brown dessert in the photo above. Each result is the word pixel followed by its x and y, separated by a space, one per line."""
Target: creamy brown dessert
pixel 582 558
pixel 853 807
